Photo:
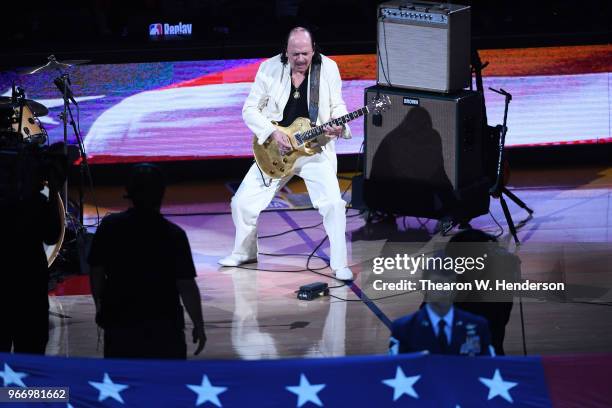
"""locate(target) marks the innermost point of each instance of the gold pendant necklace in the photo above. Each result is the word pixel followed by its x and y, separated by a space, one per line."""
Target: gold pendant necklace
pixel 296 92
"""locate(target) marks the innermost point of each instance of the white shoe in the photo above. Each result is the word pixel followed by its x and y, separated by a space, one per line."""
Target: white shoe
pixel 236 260
pixel 344 274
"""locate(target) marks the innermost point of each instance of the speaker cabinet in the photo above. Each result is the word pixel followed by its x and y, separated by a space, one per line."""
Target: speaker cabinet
pixel 423 45
pixel 425 156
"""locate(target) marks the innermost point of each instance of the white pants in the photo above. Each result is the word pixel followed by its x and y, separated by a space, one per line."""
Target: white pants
pixel 253 196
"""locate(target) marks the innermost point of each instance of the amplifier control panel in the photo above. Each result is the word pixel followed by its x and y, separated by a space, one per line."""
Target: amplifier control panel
pixel 407 14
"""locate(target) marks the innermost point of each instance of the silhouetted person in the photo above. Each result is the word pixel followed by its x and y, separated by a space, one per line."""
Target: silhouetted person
pixel 439 327
pixel 141 265
pixel 28 218
pixel 495 306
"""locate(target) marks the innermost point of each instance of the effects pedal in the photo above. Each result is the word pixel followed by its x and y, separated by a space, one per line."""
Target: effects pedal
pixel 313 291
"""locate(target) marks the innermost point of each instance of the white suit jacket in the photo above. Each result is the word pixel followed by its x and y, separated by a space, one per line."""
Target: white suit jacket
pixel 270 93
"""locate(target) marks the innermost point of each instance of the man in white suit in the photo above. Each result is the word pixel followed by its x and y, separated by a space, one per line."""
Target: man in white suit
pixel 281 93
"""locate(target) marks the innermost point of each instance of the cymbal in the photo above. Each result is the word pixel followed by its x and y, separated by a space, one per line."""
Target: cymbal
pixel 38 109
pixel 52 66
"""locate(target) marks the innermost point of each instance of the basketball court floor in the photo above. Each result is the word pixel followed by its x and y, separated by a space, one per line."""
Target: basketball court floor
pixel 253 313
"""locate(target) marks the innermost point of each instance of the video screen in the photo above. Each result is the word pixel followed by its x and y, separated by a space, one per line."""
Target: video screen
pixel 191 110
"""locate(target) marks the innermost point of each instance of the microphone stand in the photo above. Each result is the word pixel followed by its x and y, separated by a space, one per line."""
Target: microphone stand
pixel 63 82
pixel 82 163
pixel 64 119
pixel 498 189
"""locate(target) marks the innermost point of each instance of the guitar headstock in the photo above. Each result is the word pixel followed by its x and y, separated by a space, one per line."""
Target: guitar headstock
pixel 379 104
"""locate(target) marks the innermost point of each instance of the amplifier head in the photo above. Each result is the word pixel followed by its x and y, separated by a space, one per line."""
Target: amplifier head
pixel 423 45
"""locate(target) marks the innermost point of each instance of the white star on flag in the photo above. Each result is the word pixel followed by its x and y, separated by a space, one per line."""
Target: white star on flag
pixel 497 386
pixel 108 388
pixel 402 385
pixel 207 392
pixel 12 377
pixel 306 392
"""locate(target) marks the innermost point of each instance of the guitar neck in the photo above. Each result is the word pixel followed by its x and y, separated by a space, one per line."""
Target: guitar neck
pixel 318 130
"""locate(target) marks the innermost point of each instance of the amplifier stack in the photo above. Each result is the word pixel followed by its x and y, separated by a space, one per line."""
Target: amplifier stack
pixel 425 156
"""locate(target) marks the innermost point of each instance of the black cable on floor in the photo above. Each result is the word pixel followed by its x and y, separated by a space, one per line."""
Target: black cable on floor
pixel 374 299
pixel 291 230
pixel 501 229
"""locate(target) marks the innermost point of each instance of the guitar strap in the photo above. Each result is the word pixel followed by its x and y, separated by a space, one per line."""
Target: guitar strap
pixel 313 108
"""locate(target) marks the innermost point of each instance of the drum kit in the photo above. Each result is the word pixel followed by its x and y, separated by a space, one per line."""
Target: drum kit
pixel 19 119
pixel 20 126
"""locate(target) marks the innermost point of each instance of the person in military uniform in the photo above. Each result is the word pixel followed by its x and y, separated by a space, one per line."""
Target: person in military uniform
pixel 439 327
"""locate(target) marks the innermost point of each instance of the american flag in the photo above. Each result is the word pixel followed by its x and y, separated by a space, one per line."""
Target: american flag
pixel 410 380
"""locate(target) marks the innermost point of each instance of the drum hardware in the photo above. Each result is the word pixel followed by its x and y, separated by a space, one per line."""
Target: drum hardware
pixel 19 116
pixel 37 108
pixel 75 226
pixel 19 119
pixel 27 124
pixel 53 250
pixel 63 84
pixel 53 65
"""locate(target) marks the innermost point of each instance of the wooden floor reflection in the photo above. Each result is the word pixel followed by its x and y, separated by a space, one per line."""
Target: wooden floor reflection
pixel 254 314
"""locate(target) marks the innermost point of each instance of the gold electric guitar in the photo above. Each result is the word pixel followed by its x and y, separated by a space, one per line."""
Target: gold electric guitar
pixel 301 135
